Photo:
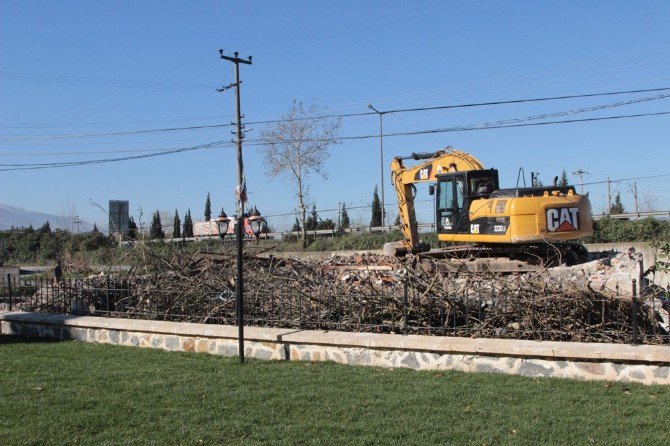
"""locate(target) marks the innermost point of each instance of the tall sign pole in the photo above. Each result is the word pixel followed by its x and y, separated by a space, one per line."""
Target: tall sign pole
pixel 241 198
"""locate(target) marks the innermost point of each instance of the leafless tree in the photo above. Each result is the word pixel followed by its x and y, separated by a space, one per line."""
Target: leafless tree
pixel 297 146
pixel 649 203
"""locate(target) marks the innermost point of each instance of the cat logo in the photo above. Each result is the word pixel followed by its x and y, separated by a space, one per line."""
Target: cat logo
pixel 562 219
pixel 424 174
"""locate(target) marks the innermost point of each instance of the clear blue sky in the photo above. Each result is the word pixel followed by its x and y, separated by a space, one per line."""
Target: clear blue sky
pixel 81 67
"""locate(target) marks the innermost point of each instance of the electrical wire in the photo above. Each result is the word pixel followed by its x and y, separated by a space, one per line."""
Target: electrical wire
pixel 420 132
pixel 348 115
pixel 35 166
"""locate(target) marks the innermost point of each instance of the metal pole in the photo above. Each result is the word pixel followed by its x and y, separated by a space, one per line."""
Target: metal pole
pixel 381 158
pixel 381 165
pixel 9 285
pixel 634 315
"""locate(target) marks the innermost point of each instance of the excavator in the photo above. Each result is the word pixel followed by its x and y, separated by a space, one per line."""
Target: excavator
pixel 474 216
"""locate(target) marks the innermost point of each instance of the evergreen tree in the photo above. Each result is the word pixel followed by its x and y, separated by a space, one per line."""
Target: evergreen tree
pixel 617 206
pixel 45 228
pixel 376 210
pixel 564 179
pixel 188 225
pixel 208 209
pixel 312 222
pixel 29 229
pixel 296 225
pixel 132 229
pixel 344 219
pixel 176 225
pixel 328 223
pixel 397 221
pixel 95 228
pixel 156 230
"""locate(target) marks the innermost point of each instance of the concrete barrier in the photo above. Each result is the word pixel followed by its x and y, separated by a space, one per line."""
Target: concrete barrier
pixel 647 364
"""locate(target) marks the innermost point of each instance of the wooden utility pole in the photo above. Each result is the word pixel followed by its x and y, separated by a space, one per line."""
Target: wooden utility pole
pixel 580 173
pixel 241 197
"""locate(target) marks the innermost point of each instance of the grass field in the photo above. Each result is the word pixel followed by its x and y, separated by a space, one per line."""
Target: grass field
pixel 75 393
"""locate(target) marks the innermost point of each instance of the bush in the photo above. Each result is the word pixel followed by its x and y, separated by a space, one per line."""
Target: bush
pixel 609 230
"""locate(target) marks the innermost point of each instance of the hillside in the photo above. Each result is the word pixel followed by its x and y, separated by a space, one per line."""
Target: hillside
pixel 19 217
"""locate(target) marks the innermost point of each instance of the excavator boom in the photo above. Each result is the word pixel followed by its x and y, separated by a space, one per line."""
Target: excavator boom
pixel 404 178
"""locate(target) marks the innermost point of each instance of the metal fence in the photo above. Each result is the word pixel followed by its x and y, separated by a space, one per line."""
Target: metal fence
pixel 478 311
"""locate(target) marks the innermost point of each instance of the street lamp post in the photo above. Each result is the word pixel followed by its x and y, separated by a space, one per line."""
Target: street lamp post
pixel 381 157
pixel 257 223
pixel 222 223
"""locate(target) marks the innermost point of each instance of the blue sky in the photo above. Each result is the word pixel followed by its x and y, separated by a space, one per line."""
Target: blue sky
pixel 80 67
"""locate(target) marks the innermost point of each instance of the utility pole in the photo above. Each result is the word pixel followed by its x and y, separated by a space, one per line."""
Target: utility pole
pixel 77 223
pixel 381 157
pixel 339 215
pixel 241 197
pixel 581 174
pixel 609 196
pixel 633 189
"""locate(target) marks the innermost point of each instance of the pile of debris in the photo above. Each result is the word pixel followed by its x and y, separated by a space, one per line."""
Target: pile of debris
pixel 612 274
pixel 375 293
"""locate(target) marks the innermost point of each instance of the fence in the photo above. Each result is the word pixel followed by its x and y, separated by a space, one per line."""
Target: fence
pixel 477 311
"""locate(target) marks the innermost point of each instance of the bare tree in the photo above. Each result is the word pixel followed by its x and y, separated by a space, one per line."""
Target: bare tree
pixel 649 203
pixel 297 146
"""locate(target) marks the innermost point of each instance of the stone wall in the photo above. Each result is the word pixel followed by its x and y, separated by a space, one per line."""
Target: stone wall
pixel 644 363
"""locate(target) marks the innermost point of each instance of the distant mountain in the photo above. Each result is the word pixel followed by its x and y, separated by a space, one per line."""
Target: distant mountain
pixel 19 217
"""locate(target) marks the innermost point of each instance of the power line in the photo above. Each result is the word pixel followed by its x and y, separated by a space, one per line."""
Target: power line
pixel 100 82
pixel 349 115
pixel 480 127
pixel 35 166
pixel 630 179
pixel 360 137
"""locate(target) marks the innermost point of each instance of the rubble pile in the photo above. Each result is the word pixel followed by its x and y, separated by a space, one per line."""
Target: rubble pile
pixel 612 274
pixel 380 294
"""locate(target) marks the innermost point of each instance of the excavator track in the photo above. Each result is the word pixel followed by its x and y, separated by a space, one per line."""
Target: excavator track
pixel 505 258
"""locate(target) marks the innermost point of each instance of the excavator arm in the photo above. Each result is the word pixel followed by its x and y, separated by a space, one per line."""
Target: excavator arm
pixel 404 178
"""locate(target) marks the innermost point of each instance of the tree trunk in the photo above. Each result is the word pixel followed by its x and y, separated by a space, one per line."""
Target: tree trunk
pixel 303 212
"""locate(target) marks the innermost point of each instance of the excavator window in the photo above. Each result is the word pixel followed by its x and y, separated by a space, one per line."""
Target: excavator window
pixel 456 192
pixel 445 204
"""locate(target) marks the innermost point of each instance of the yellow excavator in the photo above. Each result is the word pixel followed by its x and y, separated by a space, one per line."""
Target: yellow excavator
pixel 473 212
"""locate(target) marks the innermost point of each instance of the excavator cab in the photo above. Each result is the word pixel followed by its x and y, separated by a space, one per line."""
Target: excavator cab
pixel 457 192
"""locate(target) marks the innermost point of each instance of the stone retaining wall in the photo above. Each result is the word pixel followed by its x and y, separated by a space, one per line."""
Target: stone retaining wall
pixel 645 363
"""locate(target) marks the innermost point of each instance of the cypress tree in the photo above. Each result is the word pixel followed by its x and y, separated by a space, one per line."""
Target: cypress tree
pixel 376 210
pixel 156 231
pixel 45 228
pixel 296 225
pixel 617 206
pixel 564 179
pixel 132 229
pixel 176 225
pixel 344 219
pixel 188 225
pixel 208 208
pixel 312 222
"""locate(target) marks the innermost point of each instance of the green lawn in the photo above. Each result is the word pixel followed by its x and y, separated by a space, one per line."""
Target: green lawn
pixel 70 392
